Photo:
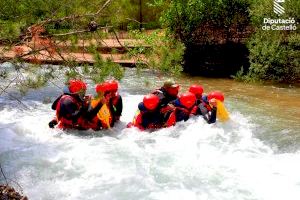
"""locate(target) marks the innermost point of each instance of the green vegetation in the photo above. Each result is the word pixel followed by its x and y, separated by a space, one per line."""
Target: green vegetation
pixel 274 54
pixel 162 52
pixel 18 15
pixel 187 18
pixel 62 24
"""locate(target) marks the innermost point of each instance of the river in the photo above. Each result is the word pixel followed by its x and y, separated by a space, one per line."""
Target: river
pixel 254 156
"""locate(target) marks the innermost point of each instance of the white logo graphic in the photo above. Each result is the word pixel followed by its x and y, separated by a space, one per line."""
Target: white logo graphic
pixel 278 8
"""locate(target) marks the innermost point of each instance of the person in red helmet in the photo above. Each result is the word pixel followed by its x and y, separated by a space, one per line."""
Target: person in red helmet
pixel 181 108
pixel 103 119
pixel 148 115
pixel 115 103
pixel 198 91
pixel 71 108
pixel 167 93
pixel 208 107
pixel 216 95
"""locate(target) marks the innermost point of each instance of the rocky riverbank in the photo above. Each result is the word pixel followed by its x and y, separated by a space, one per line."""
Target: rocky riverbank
pixel 9 193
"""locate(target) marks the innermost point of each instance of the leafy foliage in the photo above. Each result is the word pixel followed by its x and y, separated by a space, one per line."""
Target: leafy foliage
pixel 162 52
pixel 274 54
pixel 57 27
pixel 184 17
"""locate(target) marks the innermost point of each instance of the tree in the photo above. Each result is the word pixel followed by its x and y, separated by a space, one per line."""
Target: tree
pixel 189 20
pixel 274 54
pixel 32 30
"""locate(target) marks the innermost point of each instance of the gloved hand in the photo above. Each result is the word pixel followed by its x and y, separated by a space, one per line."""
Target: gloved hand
pixel 52 123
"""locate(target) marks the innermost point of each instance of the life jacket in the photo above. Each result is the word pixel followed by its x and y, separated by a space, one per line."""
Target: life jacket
pixel 171 120
pixel 195 110
pixel 145 119
pixel 181 112
pixel 103 117
pixel 205 102
pixel 66 120
pixel 137 121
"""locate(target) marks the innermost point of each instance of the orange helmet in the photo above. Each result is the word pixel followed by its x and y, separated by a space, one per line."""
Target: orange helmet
pixel 216 95
pixel 76 86
pixel 196 89
pixel 187 99
pixel 151 101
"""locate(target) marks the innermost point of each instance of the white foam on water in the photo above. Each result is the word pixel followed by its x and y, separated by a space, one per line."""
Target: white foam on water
pixel 192 160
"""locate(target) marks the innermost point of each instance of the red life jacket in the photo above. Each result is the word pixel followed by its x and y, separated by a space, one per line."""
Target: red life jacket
pixel 207 106
pixel 65 122
pixel 137 121
pixel 194 110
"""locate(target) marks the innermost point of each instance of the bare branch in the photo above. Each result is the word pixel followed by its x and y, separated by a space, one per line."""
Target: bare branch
pixel 3 175
pixel 72 17
pixel 134 20
pixel 118 38
pixel 8 85
pixel 14 98
pixel 79 32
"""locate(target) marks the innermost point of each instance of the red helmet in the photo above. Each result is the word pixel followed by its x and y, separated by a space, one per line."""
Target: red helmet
pixel 216 95
pixel 196 89
pixel 187 99
pixel 76 86
pixel 113 85
pixel 102 87
pixel 151 101
pixel 173 91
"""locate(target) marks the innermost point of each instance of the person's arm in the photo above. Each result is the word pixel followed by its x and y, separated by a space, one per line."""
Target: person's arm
pixel 53 123
pixel 209 116
pixel 213 115
pixel 91 112
pixel 53 107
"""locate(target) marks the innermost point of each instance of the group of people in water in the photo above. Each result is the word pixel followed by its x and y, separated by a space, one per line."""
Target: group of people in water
pixel 76 110
pixel 161 108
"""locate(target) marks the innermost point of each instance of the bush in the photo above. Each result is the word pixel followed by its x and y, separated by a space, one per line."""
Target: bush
pixel 184 18
pixel 274 54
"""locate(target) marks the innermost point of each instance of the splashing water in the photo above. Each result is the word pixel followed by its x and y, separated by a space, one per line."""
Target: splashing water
pixel 192 160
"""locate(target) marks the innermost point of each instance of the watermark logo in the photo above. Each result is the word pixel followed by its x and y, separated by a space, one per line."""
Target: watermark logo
pixel 278 8
pixel 287 24
pixel 279 24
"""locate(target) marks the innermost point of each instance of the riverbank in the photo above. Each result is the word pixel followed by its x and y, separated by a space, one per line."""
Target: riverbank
pixel 9 193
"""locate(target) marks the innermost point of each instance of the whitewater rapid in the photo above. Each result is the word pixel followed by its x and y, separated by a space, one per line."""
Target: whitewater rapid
pixel 191 160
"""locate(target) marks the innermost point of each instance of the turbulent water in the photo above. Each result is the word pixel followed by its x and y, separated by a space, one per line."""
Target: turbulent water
pixel 254 156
